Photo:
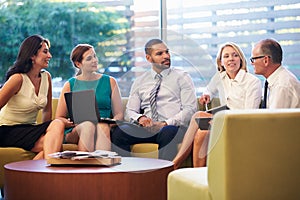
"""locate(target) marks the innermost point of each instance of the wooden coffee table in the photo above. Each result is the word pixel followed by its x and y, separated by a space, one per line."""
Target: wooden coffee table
pixel 134 178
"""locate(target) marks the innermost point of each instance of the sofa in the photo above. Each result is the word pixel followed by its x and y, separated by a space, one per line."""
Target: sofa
pixel 252 155
pixel 13 154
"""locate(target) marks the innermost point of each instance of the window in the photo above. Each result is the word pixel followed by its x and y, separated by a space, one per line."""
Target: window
pixel 208 24
pixel 193 30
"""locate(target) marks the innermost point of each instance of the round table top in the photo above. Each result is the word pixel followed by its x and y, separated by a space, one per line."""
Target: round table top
pixel 128 164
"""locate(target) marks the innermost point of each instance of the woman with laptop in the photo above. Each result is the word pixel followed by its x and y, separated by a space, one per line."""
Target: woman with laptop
pixel 236 88
pixel 88 135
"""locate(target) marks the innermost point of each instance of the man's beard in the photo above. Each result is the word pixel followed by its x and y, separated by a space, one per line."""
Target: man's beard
pixel 161 66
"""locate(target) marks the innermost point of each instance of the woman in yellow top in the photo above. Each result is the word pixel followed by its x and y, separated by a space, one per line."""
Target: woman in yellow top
pixel 27 90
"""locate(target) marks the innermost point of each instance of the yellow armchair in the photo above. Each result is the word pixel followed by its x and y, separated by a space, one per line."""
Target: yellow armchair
pixel 252 155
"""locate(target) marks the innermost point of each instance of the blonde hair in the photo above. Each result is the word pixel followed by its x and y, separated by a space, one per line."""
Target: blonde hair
pixel 239 52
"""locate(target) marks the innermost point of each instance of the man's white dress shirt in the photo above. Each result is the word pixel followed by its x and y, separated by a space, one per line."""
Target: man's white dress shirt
pixel 284 89
pixel 176 99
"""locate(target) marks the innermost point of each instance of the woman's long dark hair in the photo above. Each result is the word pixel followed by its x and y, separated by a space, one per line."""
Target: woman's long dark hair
pixel 28 48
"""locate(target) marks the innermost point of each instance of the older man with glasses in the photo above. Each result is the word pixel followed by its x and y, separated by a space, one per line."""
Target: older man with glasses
pixel 282 88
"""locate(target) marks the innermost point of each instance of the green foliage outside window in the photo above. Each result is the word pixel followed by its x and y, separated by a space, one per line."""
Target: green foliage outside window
pixel 64 24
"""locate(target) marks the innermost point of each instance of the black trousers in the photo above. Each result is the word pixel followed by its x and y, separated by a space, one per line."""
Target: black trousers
pixel 167 138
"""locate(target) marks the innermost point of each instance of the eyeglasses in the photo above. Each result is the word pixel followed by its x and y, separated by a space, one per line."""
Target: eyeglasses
pixel 252 59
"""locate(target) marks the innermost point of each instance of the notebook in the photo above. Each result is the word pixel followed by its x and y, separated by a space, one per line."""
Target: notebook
pixel 217 109
pixel 204 122
pixel 82 106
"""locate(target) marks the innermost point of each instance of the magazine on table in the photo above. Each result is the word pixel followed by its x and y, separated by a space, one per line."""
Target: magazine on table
pixel 98 157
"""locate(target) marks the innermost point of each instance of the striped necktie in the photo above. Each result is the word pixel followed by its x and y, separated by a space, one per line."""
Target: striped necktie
pixel 153 95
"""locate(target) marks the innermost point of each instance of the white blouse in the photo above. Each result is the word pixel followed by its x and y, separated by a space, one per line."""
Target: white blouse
pixel 23 107
pixel 242 92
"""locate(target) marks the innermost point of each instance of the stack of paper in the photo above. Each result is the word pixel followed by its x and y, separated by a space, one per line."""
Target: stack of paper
pixel 99 157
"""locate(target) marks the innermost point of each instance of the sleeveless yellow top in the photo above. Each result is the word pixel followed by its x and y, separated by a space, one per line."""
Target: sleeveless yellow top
pixel 22 108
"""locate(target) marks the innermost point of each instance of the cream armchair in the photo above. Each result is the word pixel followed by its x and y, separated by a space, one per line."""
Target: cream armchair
pixel 252 155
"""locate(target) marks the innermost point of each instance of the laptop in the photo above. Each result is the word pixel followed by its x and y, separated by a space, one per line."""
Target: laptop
pixel 82 106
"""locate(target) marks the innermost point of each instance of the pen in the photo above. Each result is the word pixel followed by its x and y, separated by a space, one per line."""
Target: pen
pixel 206 107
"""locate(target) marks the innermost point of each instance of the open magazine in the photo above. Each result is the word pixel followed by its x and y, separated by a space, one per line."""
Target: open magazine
pixel 99 157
